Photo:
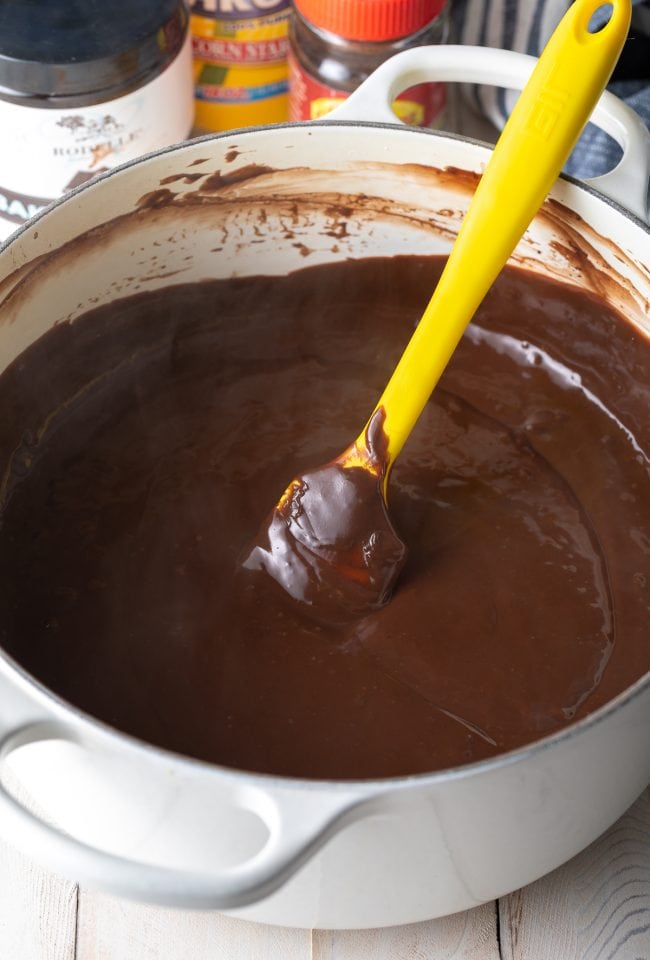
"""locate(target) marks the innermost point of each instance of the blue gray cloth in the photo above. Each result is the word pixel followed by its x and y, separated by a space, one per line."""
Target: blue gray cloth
pixel 526 25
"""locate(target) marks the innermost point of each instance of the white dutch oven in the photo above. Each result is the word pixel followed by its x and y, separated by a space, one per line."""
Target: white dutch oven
pixel 148 824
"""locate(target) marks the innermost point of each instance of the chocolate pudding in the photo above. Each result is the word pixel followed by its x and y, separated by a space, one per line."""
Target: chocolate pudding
pixel 143 444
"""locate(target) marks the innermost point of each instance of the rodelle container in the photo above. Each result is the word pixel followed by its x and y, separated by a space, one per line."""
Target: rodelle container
pixel 240 62
pixel 85 86
pixel 334 45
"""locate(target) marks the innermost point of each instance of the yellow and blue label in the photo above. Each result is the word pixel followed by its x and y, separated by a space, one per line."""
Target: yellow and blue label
pixel 240 62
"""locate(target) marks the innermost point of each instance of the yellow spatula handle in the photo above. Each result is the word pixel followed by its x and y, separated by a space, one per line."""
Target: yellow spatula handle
pixel 543 128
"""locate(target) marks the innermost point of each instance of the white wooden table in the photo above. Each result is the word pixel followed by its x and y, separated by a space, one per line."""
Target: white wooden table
pixel 596 907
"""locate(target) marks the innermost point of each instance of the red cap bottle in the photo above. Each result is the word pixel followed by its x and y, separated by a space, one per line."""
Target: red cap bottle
pixel 336 44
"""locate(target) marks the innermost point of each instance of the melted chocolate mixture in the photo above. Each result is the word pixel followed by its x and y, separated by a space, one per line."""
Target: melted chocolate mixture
pixel 143 445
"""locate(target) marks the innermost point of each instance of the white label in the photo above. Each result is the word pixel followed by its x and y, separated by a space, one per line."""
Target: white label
pixel 47 152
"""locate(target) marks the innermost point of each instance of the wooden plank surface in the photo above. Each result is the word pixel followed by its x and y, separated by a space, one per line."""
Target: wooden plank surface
pixel 596 907
pixel 38 910
pixel 465 936
pixel 111 929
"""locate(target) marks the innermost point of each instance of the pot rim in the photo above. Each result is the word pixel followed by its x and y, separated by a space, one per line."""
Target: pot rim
pixel 49 698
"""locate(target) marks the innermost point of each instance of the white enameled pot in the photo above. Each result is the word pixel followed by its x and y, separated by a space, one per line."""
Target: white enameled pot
pixel 126 817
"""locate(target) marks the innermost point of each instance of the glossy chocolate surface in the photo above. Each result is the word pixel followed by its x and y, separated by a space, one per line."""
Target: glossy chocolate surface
pixel 329 542
pixel 142 446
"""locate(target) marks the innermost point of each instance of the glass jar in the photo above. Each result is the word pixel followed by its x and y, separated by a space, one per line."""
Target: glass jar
pixel 335 44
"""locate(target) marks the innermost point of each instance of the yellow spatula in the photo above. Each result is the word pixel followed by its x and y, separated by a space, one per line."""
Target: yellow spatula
pixel 329 541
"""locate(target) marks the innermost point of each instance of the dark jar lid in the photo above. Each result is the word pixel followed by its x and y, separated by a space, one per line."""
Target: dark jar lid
pixel 86 48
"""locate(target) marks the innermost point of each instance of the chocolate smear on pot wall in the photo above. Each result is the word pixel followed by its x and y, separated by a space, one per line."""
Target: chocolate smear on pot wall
pixel 182 178
pixel 219 180
pixel 165 214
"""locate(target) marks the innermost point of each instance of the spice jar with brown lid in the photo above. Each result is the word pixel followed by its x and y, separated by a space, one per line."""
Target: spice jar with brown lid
pixel 335 44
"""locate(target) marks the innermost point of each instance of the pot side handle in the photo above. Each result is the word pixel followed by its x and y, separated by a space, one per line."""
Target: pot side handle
pixel 298 827
pixel 626 184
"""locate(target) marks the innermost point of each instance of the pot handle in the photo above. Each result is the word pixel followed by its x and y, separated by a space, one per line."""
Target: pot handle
pixel 297 830
pixel 626 184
